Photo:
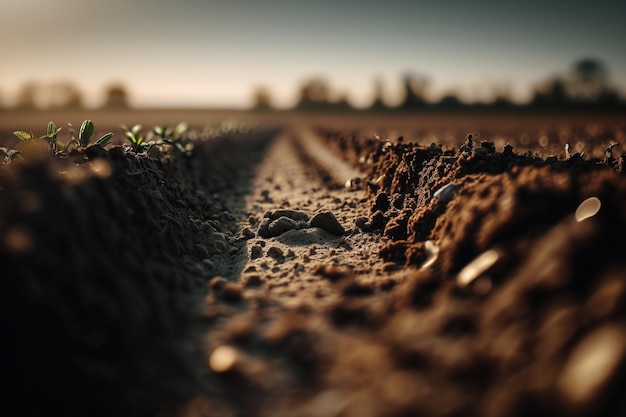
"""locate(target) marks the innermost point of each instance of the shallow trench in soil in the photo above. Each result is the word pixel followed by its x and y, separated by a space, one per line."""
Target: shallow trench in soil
pixel 310 272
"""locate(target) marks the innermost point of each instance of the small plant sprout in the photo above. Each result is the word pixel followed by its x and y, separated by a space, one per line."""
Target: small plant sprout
pixel 24 136
pixel 137 141
pixel 173 136
pixel 85 135
pixel 51 135
pixel 9 155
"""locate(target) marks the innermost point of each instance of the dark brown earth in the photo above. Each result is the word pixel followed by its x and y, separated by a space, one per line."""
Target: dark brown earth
pixel 459 277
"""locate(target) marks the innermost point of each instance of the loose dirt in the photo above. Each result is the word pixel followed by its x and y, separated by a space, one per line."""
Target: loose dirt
pixel 319 271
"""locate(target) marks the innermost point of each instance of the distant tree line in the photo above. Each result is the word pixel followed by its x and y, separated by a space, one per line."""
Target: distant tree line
pixel 585 86
pixel 65 95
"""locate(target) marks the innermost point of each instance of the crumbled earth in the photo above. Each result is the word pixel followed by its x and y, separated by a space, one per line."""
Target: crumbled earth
pixel 317 272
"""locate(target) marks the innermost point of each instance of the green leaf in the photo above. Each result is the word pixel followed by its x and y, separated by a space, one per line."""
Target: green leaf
pixel 23 135
pixel 86 133
pixel 181 128
pixel 136 129
pixel 104 139
pixel 52 129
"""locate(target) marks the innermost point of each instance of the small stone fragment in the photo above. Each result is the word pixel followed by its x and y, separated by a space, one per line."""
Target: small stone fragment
pixel 296 215
pixel 446 193
pixel 263 226
pixel 326 220
pixel 223 359
pixel 477 267
pixel 332 272
pixel 592 364
pixel 256 251
pixel 231 292
pixel 275 252
pixel 247 233
pixel 588 208
pixel 216 283
pixel 252 280
pixel 281 225
pixel 381 203
pixel 377 221
pixel 361 223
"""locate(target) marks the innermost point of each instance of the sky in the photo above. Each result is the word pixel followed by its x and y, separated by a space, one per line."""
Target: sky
pixel 216 52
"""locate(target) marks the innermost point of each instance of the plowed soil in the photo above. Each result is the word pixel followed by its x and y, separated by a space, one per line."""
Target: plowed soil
pixel 319 270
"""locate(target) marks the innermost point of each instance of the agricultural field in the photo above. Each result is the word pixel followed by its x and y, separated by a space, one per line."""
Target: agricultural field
pixel 201 263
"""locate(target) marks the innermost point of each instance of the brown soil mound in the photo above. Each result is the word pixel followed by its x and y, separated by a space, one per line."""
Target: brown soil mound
pixel 510 299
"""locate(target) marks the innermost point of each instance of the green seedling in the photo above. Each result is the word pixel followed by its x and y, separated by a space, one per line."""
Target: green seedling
pixel 173 136
pixel 137 141
pixel 51 137
pixel 9 155
pixel 24 136
pixel 85 135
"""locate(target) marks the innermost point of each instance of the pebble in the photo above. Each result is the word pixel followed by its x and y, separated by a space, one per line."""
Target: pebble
pixel 592 364
pixel 252 280
pixel 223 359
pixel 361 223
pixel 326 220
pixel 231 292
pixel 256 251
pixel 588 208
pixel 381 203
pixel 477 267
pixel 247 233
pixel 446 193
pixel 297 215
pixel 281 225
pixel 263 226
pixel 275 252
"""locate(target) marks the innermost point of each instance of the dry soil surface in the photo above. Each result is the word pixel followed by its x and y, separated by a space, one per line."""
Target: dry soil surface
pixel 318 271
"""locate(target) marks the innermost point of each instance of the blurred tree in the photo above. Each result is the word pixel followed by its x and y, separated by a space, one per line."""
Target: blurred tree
pixel 262 99
pixel 314 94
pixel 414 91
pixel 27 96
pixel 341 102
pixel 116 97
pixel 589 80
pixel 378 103
pixel 502 96
pixel 65 95
pixel 551 93
pixel 450 101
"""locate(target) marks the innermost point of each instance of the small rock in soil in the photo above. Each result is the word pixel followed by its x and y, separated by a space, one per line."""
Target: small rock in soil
pixel 256 251
pixel 296 215
pixel 275 252
pixel 252 280
pixel 381 203
pixel 446 193
pixel 332 272
pixel 263 227
pixel 247 233
pixel 231 292
pixel 327 221
pixel 284 224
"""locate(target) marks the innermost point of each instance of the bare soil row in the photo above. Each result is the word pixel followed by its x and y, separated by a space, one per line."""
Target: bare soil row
pixel 452 279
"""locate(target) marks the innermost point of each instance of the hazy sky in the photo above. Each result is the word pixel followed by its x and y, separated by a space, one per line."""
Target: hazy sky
pixel 214 52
